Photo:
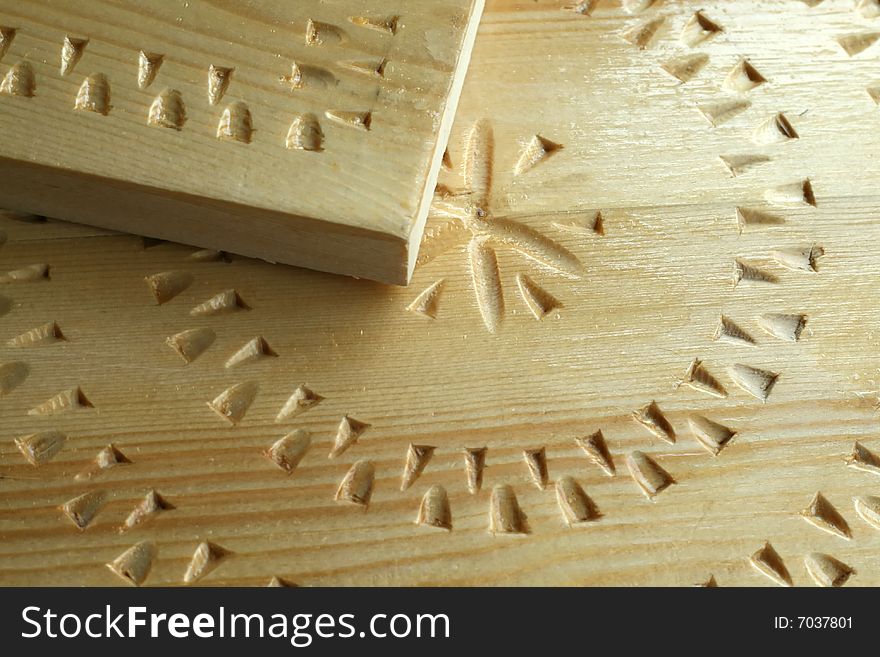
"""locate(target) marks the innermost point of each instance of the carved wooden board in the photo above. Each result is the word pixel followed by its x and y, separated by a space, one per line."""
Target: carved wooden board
pixel 652 263
pixel 308 133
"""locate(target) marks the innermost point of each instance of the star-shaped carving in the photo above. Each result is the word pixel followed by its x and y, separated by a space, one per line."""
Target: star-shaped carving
pixel 472 212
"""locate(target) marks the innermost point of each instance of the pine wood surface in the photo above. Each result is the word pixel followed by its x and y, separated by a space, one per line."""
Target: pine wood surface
pixel 634 307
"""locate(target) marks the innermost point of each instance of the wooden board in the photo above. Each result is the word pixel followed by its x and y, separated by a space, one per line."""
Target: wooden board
pixel 648 300
pixel 307 133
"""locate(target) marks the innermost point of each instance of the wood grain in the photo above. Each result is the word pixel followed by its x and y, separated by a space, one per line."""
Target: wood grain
pixel 637 194
pixel 307 133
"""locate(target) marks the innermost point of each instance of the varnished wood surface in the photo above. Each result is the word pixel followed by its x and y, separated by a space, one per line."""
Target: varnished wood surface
pixel 645 303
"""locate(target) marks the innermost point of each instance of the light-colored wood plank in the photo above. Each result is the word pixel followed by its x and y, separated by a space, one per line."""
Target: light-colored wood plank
pixel 307 133
pixel 623 334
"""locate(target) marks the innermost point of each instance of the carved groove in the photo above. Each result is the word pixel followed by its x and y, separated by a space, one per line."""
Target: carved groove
pixel 225 302
pixel 474 464
pixel 347 434
pixel 109 457
pixel 711 435
pixel 210 255
pixel 575 504
pixel 71 399
pixel 356 120
pixel 729 331
pixel 219 78
pixel 797 193
pixel 82 509
pixel 7 36
pixel 204 560
pixel 167 110
pixel 532 244
pixel 300 401
pixel 653 419
pixel 446 162
pixel 505 514
pixel 853 44
pixel 768 562
pixel 318 33
pixel 804 259
pixel 863 459
pixel 166 285
pixel 775 130
pixel 757 382
pixel 784 327
pixel 738 164
pixel 698 29
pixel 385 25
pixel 822 514
pixel 19 81
pixel 236 124
pixel 152 505
pixel 536 462
pixel 538 300
pixel 723 111
pixel 743 271
pixel 192 343
pixel 743 77
pixel 417 457
pixel 288 451
pixel 233 403
pixel 40 448
pixel 148 67
pixel 868 509
pixel 357 485
pixel 477 163
pixel 535 151
pixel 305 134
pixel 746 217
pixel 648 475
pixel 31 273
pixel 427 302
pixel 434 510
pixel 94 95
pixel 12 375
pixel 595 225
pixel 48 333
pixel 280 583
pixel 374 68
pixel 585 7
pixel 71 52
pixel 826 570
pixel 868 8
pixel 685 67
pixel 305 75
pixel 487 283
pixel 596 449
pixel 254 350
pixel 700 379
pixel 641 35
pixel 135 563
